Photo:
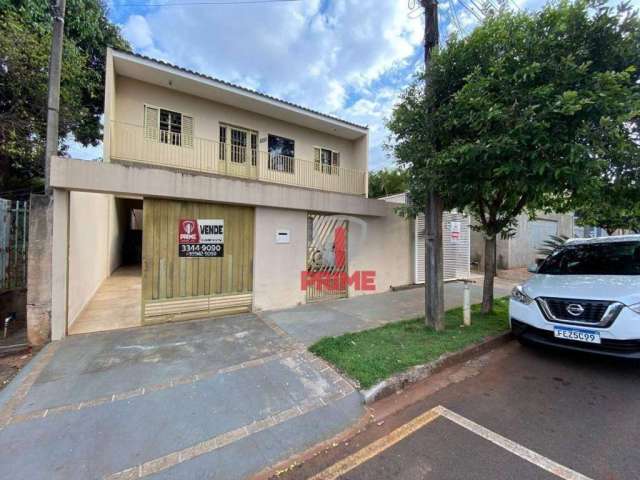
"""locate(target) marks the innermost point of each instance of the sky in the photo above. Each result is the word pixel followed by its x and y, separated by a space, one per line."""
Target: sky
pixel 348 58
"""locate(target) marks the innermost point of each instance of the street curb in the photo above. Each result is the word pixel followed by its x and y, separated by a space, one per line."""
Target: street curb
pixel 415 374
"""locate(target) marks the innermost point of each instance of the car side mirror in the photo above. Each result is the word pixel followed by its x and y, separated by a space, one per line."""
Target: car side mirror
pixel 533 268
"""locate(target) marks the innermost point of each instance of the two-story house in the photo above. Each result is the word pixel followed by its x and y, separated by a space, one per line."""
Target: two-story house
pixel 212 199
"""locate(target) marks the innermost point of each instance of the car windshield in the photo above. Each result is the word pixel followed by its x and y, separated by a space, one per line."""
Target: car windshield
pixel 616 258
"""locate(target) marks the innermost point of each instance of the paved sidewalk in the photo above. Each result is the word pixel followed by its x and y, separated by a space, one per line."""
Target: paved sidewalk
pixel 309 323
pixel 221 398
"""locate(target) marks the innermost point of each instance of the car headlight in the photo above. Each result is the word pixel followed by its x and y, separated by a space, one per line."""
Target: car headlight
pixel 518 295
pixel 635 308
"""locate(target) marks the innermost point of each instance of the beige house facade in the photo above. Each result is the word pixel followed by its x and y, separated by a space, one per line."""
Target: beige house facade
pixel 212 199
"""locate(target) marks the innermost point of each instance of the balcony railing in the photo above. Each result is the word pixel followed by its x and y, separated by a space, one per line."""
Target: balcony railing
pixel 133 143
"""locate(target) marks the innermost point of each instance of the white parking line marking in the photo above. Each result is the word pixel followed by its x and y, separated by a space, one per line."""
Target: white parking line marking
pixel 372 450
pixel 513 447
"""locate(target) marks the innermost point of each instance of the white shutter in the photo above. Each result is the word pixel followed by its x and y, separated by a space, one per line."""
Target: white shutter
pixel 187 131
pixel 456 253
pixel 419 248
pixel 316 157
pixel 335 160
pixel 151 123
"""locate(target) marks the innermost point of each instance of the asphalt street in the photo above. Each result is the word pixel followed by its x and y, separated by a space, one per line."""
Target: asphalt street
pixel 516 413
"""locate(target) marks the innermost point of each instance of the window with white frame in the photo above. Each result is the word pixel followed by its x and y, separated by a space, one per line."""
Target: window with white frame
pixel 238 144
pixel 326 160
pixel 166 126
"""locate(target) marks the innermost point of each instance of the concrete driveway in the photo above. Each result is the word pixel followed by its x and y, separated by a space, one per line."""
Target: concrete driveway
pixel 222 398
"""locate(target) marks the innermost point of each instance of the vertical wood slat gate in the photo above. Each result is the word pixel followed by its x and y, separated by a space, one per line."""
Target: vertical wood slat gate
pixel 14 229
pixel 181 288
pixel 323 234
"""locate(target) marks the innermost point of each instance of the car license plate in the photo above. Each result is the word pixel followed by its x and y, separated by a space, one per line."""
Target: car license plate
pixel 568 333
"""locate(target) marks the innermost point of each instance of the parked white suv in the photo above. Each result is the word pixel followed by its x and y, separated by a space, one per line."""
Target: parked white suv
pixel 584 296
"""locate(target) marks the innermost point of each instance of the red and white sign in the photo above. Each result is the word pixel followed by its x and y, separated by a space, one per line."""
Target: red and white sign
pixel 455 228
pixel 201 238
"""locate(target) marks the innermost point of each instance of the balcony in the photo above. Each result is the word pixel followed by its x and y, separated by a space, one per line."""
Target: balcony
pixel 133 143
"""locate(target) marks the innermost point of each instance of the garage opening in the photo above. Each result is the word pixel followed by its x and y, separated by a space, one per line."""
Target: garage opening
pixel 105 257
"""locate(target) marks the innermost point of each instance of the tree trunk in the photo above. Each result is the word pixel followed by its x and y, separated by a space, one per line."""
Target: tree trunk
pixel 434 268
pixel 489 273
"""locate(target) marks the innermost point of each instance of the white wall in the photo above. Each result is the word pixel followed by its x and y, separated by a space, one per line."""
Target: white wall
pixel 277 267
pixel 518 251
pixel 386 249
pixel 95 239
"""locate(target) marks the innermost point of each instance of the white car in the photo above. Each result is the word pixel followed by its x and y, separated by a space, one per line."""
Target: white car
pixel 584 296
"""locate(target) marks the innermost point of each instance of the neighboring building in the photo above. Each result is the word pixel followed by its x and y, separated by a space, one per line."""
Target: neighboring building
pixel 272 185
pixel 521 249
pixel 456 243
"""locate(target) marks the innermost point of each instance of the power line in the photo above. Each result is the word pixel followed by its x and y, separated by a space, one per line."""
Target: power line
pixel 456 19
pixel 203 2
pixel 471 10
pixel 480 8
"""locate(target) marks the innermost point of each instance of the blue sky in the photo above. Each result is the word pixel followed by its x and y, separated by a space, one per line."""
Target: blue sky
pixel 349 58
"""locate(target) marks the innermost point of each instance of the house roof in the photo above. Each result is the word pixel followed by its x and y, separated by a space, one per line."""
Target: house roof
pixel 121 58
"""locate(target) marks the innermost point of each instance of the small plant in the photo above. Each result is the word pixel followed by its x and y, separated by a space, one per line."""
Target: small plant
pixel 550 245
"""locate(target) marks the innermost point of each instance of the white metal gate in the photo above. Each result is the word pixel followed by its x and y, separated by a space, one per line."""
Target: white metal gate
pixel 456 243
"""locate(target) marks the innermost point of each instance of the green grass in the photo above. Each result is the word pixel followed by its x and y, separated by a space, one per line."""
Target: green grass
pixel 373 355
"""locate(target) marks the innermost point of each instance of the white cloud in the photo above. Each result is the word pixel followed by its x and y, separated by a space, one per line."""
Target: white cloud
pixel 326 56
pixel 137 31
pixel 80 152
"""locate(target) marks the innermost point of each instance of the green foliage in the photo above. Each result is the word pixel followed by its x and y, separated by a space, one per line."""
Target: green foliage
pixel 518 110
pixel 528 112
pixel 373 355
pixel 551 244
pixel 25 43
pixel 387 182
pixel 616 203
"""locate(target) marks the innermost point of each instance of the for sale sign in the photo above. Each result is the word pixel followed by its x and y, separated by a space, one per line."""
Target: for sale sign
pixel 455 231
pixel 201 238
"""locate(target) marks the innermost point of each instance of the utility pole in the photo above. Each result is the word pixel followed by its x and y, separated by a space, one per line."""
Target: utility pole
pixel 40 271
pixel 53 102
pixel 434 287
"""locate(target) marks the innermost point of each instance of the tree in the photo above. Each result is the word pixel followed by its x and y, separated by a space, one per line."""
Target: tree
pixel 615 204
pixel 519 109
pixel 25 40
pixel 387 182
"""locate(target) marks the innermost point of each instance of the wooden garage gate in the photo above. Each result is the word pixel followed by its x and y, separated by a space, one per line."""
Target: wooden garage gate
pixel 180 288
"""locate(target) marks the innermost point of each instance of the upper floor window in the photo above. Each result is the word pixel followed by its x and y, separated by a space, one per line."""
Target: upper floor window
pixel 238 144
pixel 281 154
pixel 326 160
pixel 167 126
